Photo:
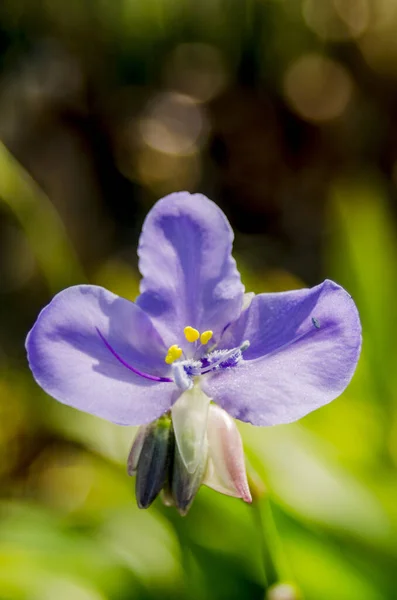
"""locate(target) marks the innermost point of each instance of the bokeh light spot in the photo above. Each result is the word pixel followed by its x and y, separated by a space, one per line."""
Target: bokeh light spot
pixel 174 124
pixel 355 14
pixel 336 20
pixel 197 70
pixel 164 173
pixel 379 44
pixel 317 87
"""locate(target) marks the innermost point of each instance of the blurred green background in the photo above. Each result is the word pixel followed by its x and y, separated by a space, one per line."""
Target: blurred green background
pixel 283 112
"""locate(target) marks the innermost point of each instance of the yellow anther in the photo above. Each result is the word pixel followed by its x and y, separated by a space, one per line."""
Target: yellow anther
pixel 174 352
pixel 191 334
pixel 206 336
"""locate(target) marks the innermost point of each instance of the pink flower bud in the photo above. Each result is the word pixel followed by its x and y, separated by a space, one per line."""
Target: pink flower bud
pixel 226 466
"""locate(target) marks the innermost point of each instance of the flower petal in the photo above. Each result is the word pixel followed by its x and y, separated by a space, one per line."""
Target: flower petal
pixel 70 359
pixel 304 349
pixel 189 275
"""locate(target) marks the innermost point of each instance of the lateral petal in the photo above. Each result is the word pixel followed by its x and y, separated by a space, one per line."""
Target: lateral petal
pixel 304 348
pixel 70 360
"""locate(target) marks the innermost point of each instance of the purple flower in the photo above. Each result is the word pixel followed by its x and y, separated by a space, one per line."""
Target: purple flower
pixel 193 336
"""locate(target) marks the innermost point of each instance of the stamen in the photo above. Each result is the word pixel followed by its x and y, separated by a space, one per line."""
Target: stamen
pixel 225 358
pixel 173 353
pixel 245 345
pixel 125 364
pixel 191 334
pixel 206 336
pixel 184 371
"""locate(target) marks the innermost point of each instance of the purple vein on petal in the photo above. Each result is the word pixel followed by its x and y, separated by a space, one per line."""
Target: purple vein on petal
pixel 125 364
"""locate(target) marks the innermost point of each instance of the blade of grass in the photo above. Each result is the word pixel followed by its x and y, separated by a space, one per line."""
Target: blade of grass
pixel 40 223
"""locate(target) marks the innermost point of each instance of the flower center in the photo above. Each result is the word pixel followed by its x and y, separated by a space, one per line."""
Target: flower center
pixel 183 371
pixel 192 335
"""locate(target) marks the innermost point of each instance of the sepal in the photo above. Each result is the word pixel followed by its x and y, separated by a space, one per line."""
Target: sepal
pixel 189 418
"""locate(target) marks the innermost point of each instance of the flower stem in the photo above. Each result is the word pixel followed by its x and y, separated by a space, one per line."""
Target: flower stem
pixel 275 564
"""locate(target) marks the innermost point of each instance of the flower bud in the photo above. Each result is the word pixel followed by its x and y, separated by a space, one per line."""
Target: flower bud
pixel 135 452
pixel 184 484
pixel 226 471
pixel 155 459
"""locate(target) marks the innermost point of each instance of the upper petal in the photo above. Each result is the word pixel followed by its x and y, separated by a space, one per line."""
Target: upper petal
pixel 71 362
pixel 189 275
pixel 304 349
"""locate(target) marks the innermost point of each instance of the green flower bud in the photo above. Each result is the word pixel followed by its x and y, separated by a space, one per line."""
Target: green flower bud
pixel 185 485
pixel 155 461
pixel 136 449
